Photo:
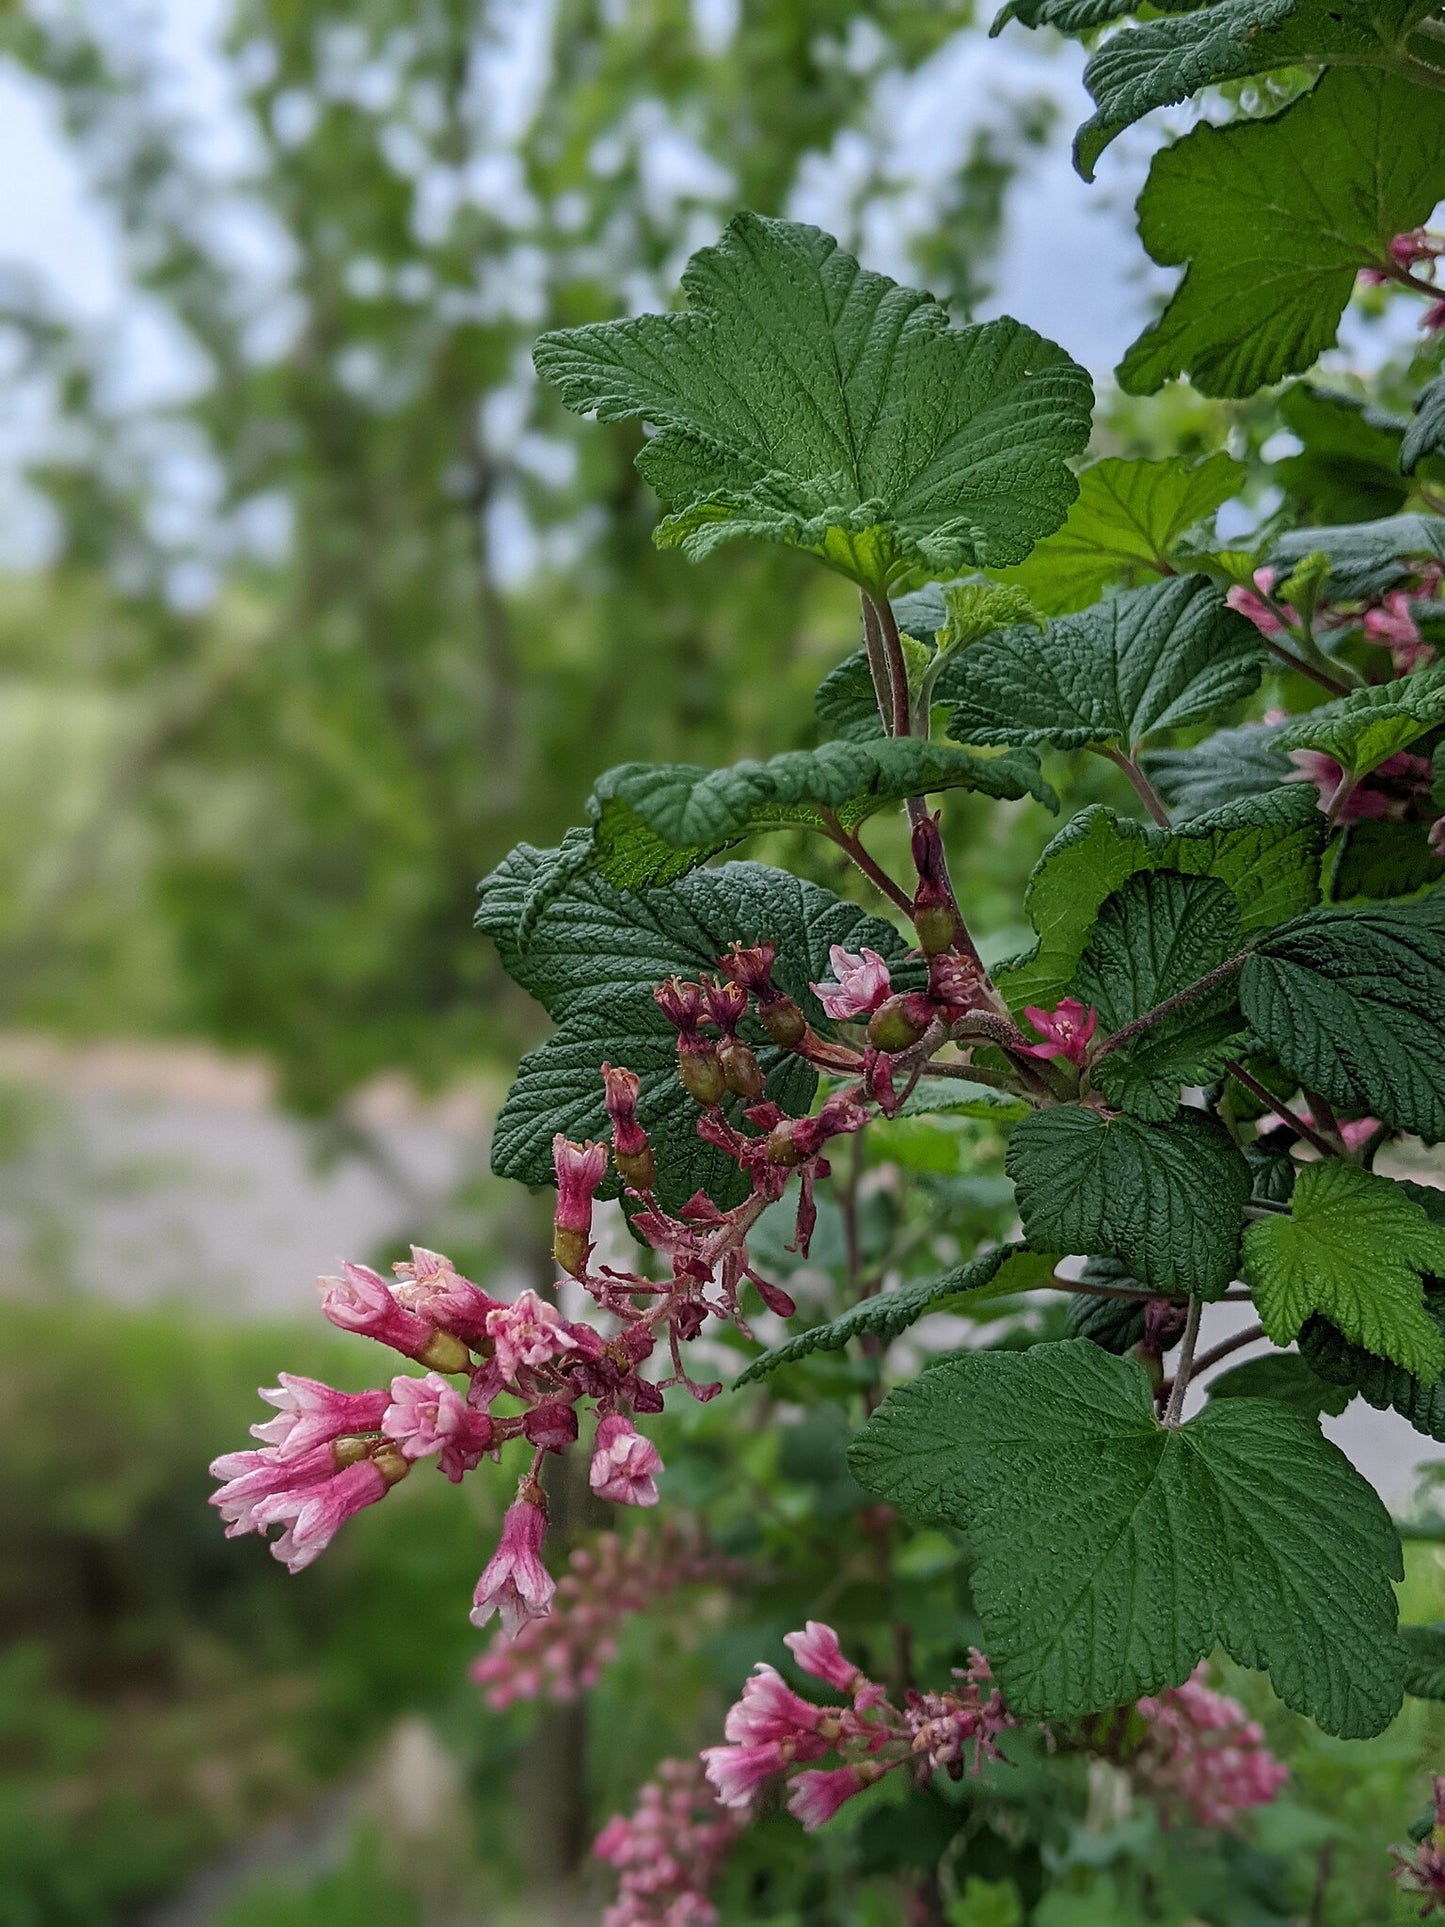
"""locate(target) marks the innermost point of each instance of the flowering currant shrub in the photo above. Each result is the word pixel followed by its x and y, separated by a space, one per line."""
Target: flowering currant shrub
pixel 1204 1059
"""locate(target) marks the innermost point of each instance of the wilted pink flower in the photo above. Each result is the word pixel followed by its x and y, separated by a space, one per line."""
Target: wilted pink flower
pixel 669 1852
pixel 1067 1030
pixel 313 1514
pixel 361 1301
pixel 310 1413
pixel 1420 1869
pixel 1204 1755
pixel 580 1169
pixel 624 1464
pixel 631 1150
pixel 1256 608
pixel 428 1415
pixel 944 1727
pixel 816 1796
pixel 516 1585
pixel 863 983
pixel 527 1332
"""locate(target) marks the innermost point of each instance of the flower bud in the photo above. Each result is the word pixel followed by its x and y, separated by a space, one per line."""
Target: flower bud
pixel 741 1069
pixel 933 912
pixel 783 1021
pixel 552 1425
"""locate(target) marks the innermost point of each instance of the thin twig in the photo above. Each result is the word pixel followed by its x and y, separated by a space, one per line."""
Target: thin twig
pixel 1184 1371
pixel 1222 1350
pixel 853 849
pixel 1288 657
pixel 1280 1109
pixel 1128 1032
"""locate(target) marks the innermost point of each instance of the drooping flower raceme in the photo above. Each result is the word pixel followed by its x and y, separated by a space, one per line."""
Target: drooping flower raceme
pixel 1420 1869
pixel 669 1851
pixel 1203 1757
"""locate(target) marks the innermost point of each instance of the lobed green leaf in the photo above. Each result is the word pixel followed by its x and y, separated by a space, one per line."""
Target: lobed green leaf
pixel 1364 728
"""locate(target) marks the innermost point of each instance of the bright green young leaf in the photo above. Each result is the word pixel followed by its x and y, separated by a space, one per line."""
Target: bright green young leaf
pixel 1360 730
pixel 1425 1669
pixel 1350 1003
pixel 1150 659
pixel 1111 1555
pixel 1286 1378
pixel 1165 61
pixel 1156 936
pixel 999 1273
pixel 1352 1248
pixel 1367 558
pixel 653 822
pixel 976 609
pixel 803 400
pixel 1229 765
pixel 1267 849
pixel 1349 466
pixel 1165 1199
pixel 1126 526
pixel 592 962
pixel 1275 219
pixel 1427 431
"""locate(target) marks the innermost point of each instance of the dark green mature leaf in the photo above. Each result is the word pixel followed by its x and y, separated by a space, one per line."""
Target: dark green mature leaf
pixel 1350 1003
pixel 1427 431
pixel 1366 558
pixel 653 822
pixel 1349 466
pixel 1165 1199
pixel 1165 61
pixel 958 1097
pixel 1352 1249
pixel 1383 859
pixel 1385 1386
pixel 1150 659
pixel 1156 936
pixel 1126 526
pixel 996 1274
pixel 1116 1324
pixel 1111 1555
pixel 1286 1378
pixel 806 401
pixel 1362 729
pixel 1275 219
pixel 1229 765
pixel 1425 1667
pixel 592 962
pixel 1267 849
pixel 1068 16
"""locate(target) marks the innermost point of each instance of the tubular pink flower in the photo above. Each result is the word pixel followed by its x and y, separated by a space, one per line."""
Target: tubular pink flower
pixel 527 1332
pixel 516 1585
pixel 816 1796
pixel 770 1710
pixel 631 1148
pixel 313 1514
pixel 624 1464
pixel 817 1651
pixel 1067 1030
pixel 1259 612
pixel 669 1851
pixel 1393 626
pixel 252 1477
pixel 1204 1756
pixel 428 1415
pixel 736 1772
pixel 432 1287
pixel 863 983
pixel 580 1169
pixel 361 1301
pixel 310 1413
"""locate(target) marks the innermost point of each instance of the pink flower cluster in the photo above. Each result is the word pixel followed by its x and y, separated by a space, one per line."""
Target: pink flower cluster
pixel 669 1851
pixel 772 1730
pixel 1420 1869
pixel 1409 251
pixel 558 1657
pixel 1203 1757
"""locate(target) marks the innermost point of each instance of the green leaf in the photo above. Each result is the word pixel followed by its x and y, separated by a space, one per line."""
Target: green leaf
pixel 1068 16
pixel 976 609
pixel 653 822
pixel 1266 849
pixel 1126 526
pixel 998 1273
pixel 1352 1248
pixel 1165 1199
pixel 1362 729
pixel 1367 558
pixel 1116 1324
pixel 1350 1003
pixel 1111 1555
pixel 1385 1386
pixel 1286 1378
pixel 1349 466
pixel 1168 60
pixel 806 401
pixel 1275 219
pixel 1149 659
pixel 1156 936
pixel 1425 1665
pixel 1229 765
pixel 957 1097
pixel 1427 431
pixel 593 960
pixel 1383 859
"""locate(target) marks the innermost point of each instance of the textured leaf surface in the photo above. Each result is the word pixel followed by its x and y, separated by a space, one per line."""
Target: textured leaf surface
pixel 1156 936
pixel 1267 850
pixel 957 1097
pixel 1427 431
pixel 1360 730
pixel 1353 1249
pixel 592 962
pixel 1425 1666
pixel 1165 1199
pixel 653 822
pixel 1230 764
pixel 1275 218
pixel 1149 659
pixel 1366 558
pixel 1286 1378
pixel 1165 61
pixel 1350 1002
pixel 1126 526
pixel 1112 1555
pixel 1385 1386
pixel 996 1274
pixel 804 400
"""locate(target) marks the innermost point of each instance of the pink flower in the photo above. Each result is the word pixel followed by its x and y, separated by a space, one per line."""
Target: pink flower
pixel 435 1290
pixel 528 1332
pixel 817 1651
pixel 631 1150
pixel 428 1415
pixel 624 1464
pixel 816 1796
pixel 863 983
pixel 362 1301
pixel 1420 1870
pixel 251 1477
pixel 1256 608
pixel 580 1169
pixel 1393 627
pixel 516 1585
pixel 669 1852
pixel 313 1514
pixel 1204 1755
pixel 737 1772
pixel 1408 250
pixel 1067 1030
pixel 1388 794
pixel 1433 319
pixel 310 1413
pixel 770 1710
pixel 943 1727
